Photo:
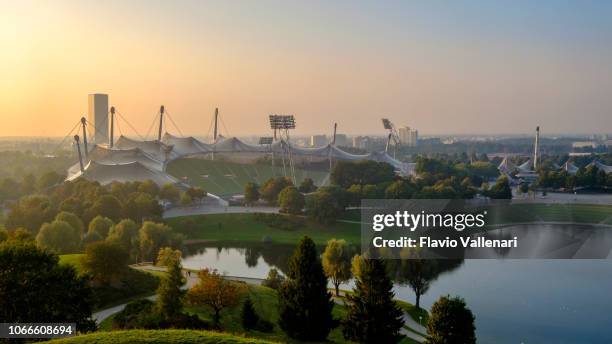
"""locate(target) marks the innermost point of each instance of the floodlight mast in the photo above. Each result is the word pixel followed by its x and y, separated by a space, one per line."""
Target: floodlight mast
pixel 393 136
pixel 268 140
pixel 284 123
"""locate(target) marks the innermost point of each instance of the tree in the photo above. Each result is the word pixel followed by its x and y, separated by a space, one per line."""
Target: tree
pixel 216 292
pixel 30 212
pixel 372 314
pixel 291 201
pixel 59 236
pixel 106 206
pixel 274 279
pixel 72 219
pixel 323 207
pixel 501 189
pixel 196 193
pixel 450 322
pixel 125 233
pixel 105 261
pixel 153 236
pixel 305 305
pixel 347 173
pixel 248 316
pixel 149 187
pixel 170 193
pixel 251 193
pixel 100 225
pixel 272 187
pixel 337 262
pixel 186 199
pixel 49 179
pixel 307 186
pixel 167 256
pixel 400 189
pixel 36 288
pixel 417 273
pixel 169 293
pixel 141 206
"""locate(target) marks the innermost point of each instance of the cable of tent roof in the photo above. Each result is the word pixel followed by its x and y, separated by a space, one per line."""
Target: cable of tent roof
pixel 130 125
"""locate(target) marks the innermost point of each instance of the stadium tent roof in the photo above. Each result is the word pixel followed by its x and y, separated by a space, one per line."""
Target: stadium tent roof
pixel 104 155
pixel 190 145
pixel 527 166
pixel 601 166
pixel 569 168
pixel 127 172
pixel 506 166
pixel 186 145
pixel 154 148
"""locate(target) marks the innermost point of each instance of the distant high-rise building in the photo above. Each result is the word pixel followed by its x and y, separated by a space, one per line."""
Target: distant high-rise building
pixel 97 117
pixel 361 142
pixel 318 140
pixel 341 140
pixel 408 137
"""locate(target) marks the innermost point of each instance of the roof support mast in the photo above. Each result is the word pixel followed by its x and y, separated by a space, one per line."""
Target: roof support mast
pixel 216 132
pixel 112 126
pixel 84 124
pixel 78 147
pixel 161 123
pixel 334 137
pixel 536 151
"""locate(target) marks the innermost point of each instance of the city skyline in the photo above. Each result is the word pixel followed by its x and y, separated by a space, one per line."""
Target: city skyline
pixel 476 68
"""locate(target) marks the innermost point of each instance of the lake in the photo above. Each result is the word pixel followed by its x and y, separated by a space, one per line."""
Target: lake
pixel 514 301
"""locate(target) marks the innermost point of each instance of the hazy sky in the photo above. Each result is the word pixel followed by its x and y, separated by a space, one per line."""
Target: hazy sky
pixel 438 66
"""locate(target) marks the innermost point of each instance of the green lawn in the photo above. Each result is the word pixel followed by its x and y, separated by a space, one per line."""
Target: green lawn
pixel 251 228
pixel 229 178
pixel 136 284
pixel 158 337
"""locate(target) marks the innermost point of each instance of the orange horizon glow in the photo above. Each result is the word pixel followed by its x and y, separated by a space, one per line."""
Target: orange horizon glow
pixel 323 63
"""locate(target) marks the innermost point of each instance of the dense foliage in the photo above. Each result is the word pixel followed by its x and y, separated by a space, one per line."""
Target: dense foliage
pixel 34 287
pixel 373 316
pixel 450 322
pixel 305 305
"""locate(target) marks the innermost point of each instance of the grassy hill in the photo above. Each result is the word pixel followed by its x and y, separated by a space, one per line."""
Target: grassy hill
pixel 158 336
pixel 228 178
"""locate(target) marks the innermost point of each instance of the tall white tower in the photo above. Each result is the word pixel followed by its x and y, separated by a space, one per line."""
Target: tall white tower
pixel 97 117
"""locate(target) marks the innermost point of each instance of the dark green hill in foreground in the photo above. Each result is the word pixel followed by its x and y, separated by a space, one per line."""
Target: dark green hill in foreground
pixel 158 337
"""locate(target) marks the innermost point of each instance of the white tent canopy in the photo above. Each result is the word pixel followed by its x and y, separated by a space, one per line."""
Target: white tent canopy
pixel 126 172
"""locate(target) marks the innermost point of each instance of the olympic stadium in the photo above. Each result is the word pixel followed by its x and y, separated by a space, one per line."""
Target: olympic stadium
pixel 222 167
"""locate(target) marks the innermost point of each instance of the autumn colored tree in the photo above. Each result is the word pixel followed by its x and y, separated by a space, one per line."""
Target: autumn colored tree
pixel 337 262
pixel 167 255
pixel 215 292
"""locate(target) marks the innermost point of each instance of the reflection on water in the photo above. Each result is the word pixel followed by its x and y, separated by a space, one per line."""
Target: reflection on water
pixel 529 301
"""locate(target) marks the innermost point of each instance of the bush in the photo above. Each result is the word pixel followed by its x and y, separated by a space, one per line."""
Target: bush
pixel 274 279
pixel 141 314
